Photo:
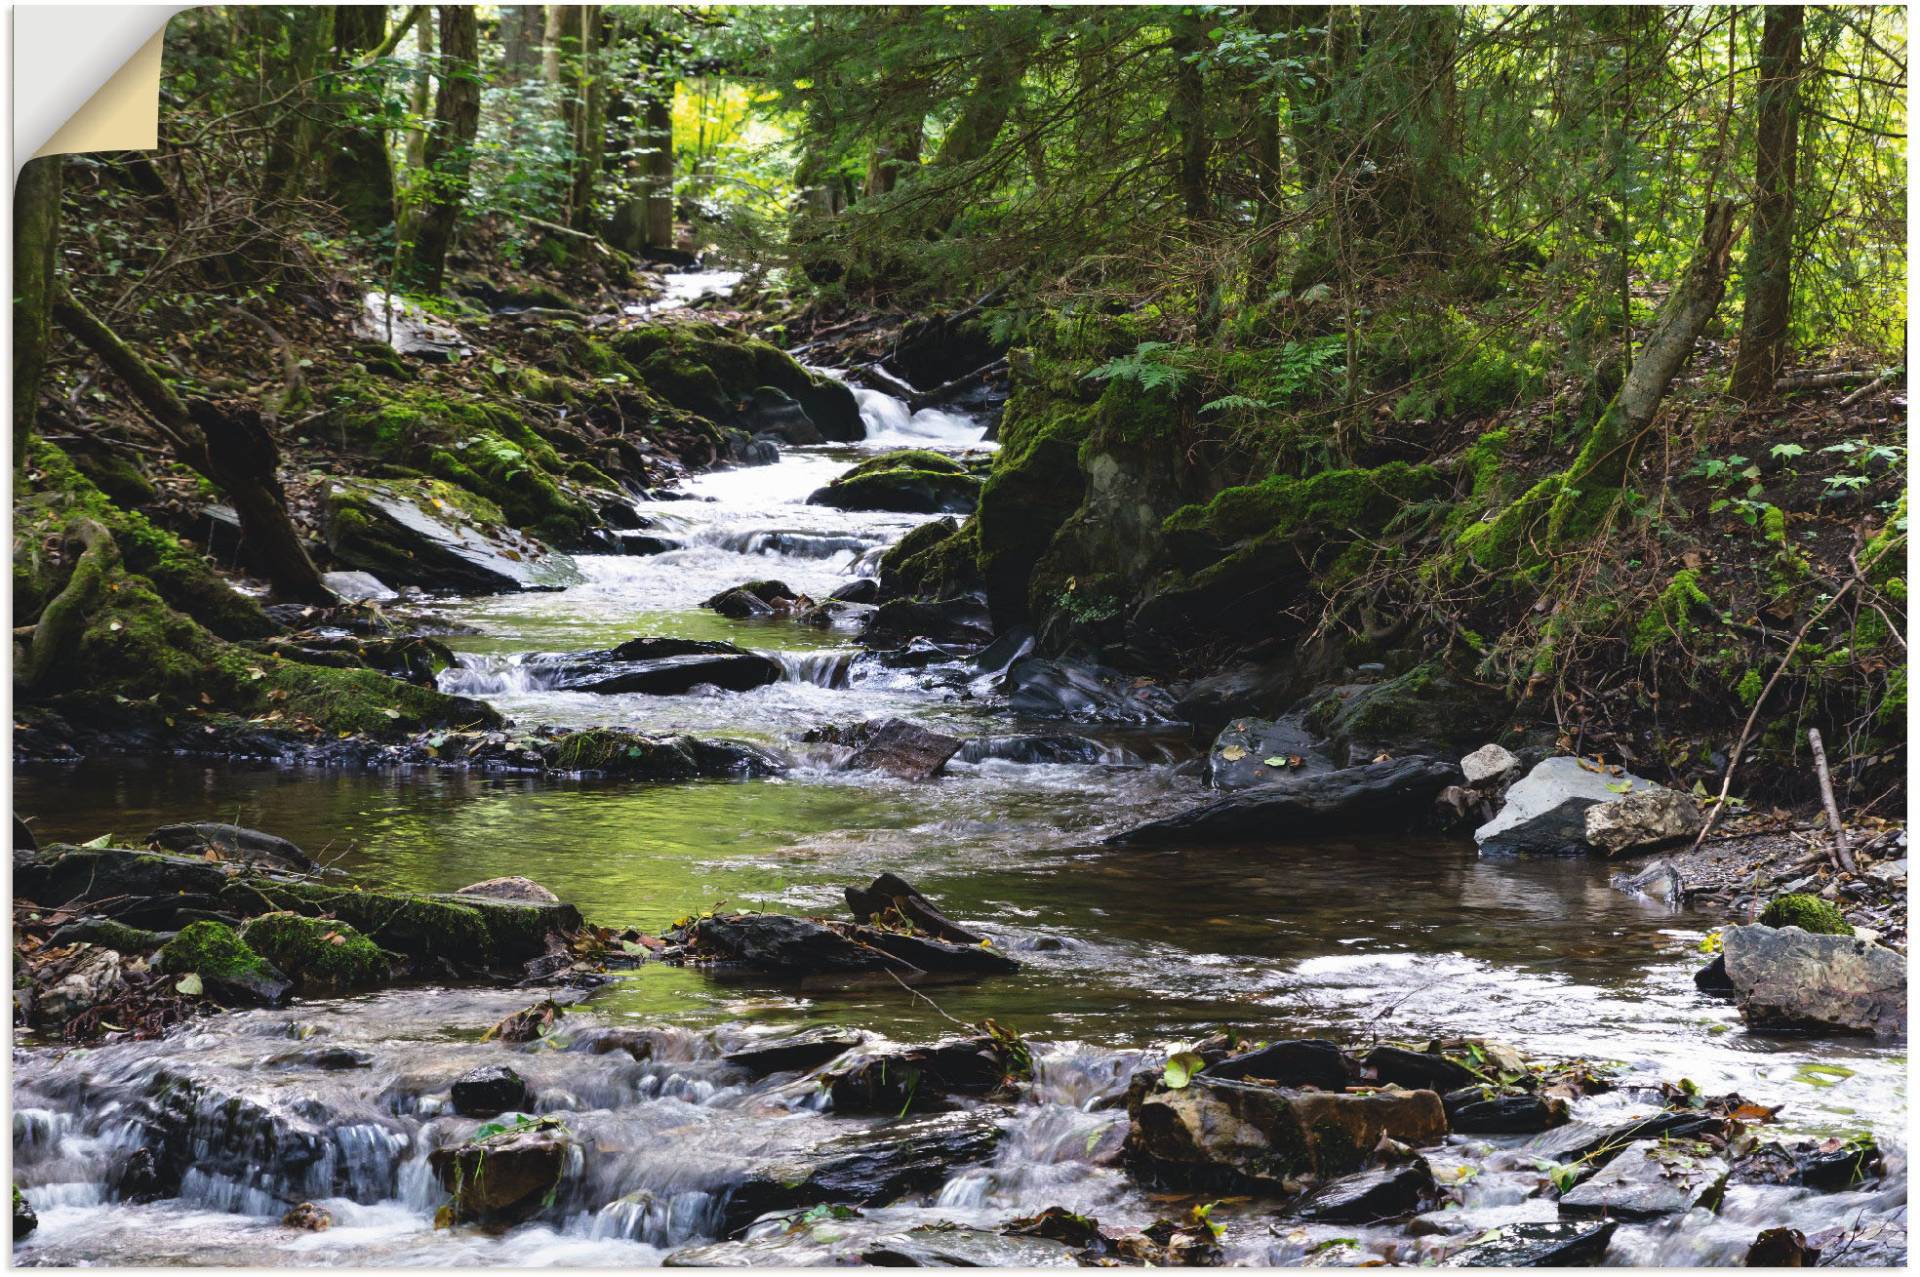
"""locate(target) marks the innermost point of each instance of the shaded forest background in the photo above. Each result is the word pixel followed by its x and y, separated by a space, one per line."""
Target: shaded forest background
pixel 1552 355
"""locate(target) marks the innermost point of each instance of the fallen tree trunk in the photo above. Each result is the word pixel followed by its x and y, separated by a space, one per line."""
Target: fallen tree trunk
pixel 230 446
pixel 949 389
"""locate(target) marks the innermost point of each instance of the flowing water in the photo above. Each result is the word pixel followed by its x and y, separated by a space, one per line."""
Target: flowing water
pixel 1126 954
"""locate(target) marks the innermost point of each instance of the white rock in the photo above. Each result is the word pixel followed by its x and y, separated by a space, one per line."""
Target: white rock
pixel 1546 811
pixel 1489 762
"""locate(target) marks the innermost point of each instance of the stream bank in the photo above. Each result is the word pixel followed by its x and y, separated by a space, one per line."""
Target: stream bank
pixel 1127 956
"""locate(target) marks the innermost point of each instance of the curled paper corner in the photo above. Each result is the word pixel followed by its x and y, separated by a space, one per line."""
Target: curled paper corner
pixel 86 78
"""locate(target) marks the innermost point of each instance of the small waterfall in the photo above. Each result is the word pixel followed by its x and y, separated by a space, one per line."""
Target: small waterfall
pixel 792 544
pixel 493 674
pixel 892 423
pixel 823 669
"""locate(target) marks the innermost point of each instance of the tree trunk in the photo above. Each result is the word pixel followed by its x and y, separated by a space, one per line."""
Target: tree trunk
pixel 1271 21
pixel 359 171
pixel 985 111
pixel 522 28
pixel 295 135
pixel 658 166
pixel 449 155
pixel 36 237
pixel 1769 264
pixel 1603 459
pixel 230 446
pixel 422 101
pixel 589 144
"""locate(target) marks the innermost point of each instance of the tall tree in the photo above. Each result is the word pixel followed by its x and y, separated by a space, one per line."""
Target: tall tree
pixel 36 237
pixel 297 48
pixel 359 171
pixel 598 30
pixel 1768 276
pixel 449 152
pixel 421 98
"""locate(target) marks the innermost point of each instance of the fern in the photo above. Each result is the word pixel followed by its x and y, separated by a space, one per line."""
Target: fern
pixel 1150 365
pixel 1236 403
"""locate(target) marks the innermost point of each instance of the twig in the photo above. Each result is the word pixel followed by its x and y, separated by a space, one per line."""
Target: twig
pixel 1870 387
pixel 1746 730
pixel 1842 856
pixel 924 998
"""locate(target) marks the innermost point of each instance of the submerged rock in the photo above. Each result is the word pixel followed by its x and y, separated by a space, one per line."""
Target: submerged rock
pixel 490 1090
pixel 1388 793
pixel 1040 687
pixel 757 599
pixel 799 1052
pixel 1546 813
pixel 873 1167
pixel 1082 750
pixel 625 670
pixel 1788 980
pixel 1649 1180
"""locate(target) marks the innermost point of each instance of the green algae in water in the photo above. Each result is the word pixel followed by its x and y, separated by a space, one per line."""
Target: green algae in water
pixel 1822 1075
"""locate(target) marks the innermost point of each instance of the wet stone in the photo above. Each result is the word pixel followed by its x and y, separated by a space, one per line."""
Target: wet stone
pixel 1551 1244
pixel 800 1052
pixel 1309 1062
pixel 1371 1196
pixel 1648 1180
pixel 490 1090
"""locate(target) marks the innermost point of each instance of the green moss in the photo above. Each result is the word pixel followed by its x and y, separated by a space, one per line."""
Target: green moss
pixel 1750 687
pixel 1809 913
pixel 50 490
pixel 713 371
pixel 1332 502
pixel 213 950
pixel 1673 612
pixel 421 926
pixel 318 953
pixel 936 560
pixel 919 459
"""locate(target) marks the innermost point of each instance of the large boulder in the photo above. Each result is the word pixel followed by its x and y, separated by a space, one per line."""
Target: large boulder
pixel 1789 980
pixel 436 536
pixel 1218 1132
pixel 1254 751
pixel 794 1052
pixel 1424 709
pixel 1546 813
pixel 660 667
pixel 961 619
pixel 726 377
pixel 1369 1197
pixel 919 1078
pixel 911 481
pixel 1384 794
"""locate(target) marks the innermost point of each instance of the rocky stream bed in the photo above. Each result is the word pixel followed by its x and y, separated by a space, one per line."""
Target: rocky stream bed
pixel 1159 1003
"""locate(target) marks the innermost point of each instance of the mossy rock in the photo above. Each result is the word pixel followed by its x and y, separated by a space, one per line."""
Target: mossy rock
pixel 910 481
pixel 437 535
pixel 938 559
pixel 135 646
pixel 1334 505
pixel 227 966
pixel 1809 913
pixel 1426 707
pixel 321 955
pixel 712 371
pixel 1036 483
pixel 50 490
pixel 472 933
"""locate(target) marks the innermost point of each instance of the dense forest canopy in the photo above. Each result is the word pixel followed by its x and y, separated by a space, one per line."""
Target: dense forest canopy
pixel 1297 241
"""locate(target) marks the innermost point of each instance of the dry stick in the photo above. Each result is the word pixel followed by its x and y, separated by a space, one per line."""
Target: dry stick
pixel 1746 730
pixel 1870 387
pixel 1842 856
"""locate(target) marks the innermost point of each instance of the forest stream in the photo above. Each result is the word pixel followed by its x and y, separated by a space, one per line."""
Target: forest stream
pixel 1126 954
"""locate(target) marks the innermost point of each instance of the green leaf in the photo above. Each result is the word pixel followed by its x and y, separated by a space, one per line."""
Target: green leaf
pixel 104 840
pixel 190 985
pixel 1181 1066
